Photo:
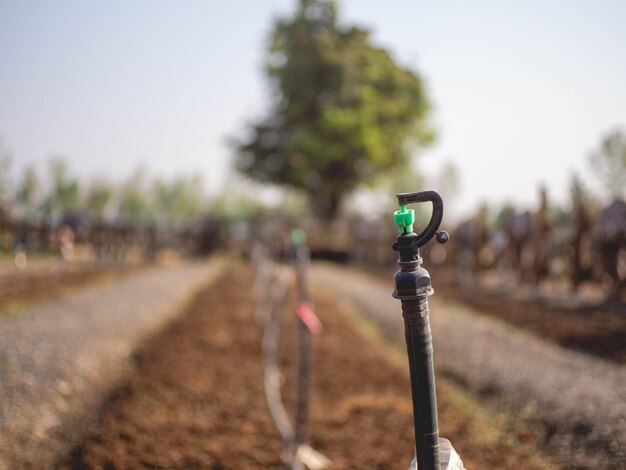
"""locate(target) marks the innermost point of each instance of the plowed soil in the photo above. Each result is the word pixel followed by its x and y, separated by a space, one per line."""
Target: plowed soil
pixel 26 287
pixel 594 329
pixel 197 399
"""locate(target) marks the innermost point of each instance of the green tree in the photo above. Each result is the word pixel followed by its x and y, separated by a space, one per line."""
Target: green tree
pixel 178 200
pixel 5 185
pixel 134 206
pixel 343 110
pixel 27 191
pixel 5 172
pixel 98 199
pixel 609 162
pixel 63 195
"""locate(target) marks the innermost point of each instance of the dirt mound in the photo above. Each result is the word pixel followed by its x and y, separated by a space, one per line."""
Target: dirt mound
pixel 594 329
pixel 61 358
pixel 17 287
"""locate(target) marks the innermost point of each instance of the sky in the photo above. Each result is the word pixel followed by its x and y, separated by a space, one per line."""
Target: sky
pixel 522 91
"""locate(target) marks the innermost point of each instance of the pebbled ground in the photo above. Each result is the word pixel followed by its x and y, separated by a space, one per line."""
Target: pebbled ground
pixel 57 360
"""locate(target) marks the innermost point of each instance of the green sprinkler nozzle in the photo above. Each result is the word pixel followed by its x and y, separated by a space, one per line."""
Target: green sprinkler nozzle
pixel 298 236
pixel 404 219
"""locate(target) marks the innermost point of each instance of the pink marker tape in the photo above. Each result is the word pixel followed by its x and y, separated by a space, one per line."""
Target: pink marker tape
pixel 309 318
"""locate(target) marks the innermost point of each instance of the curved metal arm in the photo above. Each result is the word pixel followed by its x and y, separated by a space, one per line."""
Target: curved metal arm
pixel 436 218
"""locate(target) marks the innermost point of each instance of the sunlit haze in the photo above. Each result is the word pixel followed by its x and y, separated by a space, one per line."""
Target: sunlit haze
pixel 522 91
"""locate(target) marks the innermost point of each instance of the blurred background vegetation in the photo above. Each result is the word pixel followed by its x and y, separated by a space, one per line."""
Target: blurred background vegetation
pixel 343 131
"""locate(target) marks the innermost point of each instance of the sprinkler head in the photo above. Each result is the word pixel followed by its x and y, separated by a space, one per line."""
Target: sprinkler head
pixel 404 218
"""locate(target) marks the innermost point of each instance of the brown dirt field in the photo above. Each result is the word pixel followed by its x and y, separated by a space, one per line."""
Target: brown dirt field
pixel 197 399
pixel 599 331
pixel 33 287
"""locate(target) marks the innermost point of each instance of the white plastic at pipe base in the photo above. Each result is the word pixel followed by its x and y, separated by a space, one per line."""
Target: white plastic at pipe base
pixel 311 458
pixel 448 458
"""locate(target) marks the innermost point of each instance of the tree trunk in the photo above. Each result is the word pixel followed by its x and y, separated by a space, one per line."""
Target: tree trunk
pixel 326 203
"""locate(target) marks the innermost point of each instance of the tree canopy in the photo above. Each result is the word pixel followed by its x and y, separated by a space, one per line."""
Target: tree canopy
pixel 343 110
pixel 139 200
pixel 64 194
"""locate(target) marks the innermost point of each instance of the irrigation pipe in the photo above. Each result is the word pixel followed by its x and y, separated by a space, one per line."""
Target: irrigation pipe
pixel 412 288
pixel 308 324
pixel 276 279
pixel 304 356
pixel 261 284
pixel 278 294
